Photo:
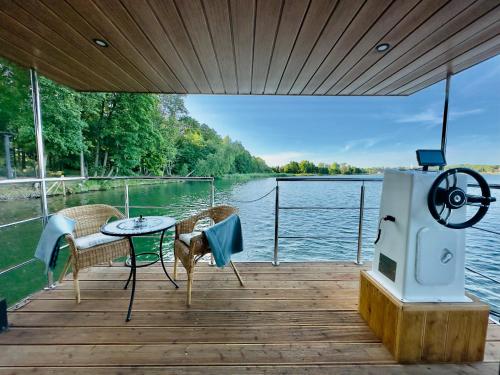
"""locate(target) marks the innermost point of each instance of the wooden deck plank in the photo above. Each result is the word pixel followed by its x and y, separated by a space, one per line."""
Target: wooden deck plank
pixel 242 267
pixel 232 283
pixel 264 265
pixel 219 276
pixel 292 319
pixel 236 293
pixel 188 354
pixel 200 304
pixel 165 335
pixel 444 369
pixel 184 318
pixel 493 332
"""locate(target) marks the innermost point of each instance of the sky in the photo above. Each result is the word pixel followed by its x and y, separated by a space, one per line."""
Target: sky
pixel 365 131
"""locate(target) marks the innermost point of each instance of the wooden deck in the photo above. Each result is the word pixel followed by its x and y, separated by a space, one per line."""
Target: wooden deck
pixel 298 318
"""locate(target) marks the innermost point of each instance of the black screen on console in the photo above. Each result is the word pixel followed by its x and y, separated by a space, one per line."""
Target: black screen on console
pixel 430 158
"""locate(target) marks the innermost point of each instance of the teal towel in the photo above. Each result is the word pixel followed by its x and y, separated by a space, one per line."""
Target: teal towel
pixel 48 245
pixel 225 238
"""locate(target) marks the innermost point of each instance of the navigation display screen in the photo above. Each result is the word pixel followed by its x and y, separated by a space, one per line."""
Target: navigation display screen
pixel 430 158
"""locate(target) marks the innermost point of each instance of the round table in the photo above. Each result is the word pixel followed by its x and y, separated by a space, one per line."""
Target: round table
pixel 135 227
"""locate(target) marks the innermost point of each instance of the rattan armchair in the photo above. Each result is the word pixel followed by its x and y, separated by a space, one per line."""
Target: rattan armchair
pixel 198 245
pixel 89 220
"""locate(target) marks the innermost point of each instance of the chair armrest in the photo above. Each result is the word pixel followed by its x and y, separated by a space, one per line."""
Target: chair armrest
pixel 114 212
pixel 187 225
pixel 71 244
pixel 198 245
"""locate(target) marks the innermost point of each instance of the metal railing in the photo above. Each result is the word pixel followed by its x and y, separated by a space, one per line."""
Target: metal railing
pixel 127 206
pixel 361 209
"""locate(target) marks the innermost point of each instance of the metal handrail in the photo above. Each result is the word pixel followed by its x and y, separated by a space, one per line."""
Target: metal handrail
pixel 35 180
pixel 323 208
pixel 20 222
pixel 17 266
pixel 171 178
pixel 328 179
pixel 361 208
pixel 353 179
pixel 127 206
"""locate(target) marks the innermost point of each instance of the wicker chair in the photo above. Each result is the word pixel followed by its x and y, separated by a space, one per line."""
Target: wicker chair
pixel 198 245
pixel 89 220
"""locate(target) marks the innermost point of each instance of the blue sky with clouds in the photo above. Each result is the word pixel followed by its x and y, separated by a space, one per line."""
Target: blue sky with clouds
pixel 365 131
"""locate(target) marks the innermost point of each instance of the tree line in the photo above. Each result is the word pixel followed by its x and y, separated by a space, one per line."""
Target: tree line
pixel 308 167
pixel 116 133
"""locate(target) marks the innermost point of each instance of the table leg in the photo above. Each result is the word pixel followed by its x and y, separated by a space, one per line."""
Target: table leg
pixel 163 263
pixel 133 274
pixel 129 275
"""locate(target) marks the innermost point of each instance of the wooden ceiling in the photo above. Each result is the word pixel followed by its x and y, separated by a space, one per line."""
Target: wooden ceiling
pixel 284 47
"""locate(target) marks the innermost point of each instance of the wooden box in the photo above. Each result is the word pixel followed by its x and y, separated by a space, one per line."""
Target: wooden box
pixel 424 332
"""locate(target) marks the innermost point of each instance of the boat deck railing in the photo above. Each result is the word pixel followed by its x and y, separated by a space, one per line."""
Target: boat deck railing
pixel 127 206
pixel 45 214
pixel 361 209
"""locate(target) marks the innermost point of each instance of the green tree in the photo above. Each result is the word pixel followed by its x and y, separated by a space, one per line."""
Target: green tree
pixel 118 133
pixel 334 169
pixel 15 110
pixel 322 168
pixel 305 166
pixel 172 106
pixel 292 167
pixel 62 124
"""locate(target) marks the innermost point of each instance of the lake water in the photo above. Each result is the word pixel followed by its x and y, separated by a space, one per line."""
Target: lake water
pixel 330 234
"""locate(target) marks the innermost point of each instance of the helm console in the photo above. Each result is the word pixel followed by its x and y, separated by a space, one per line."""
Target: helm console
pixel 420 248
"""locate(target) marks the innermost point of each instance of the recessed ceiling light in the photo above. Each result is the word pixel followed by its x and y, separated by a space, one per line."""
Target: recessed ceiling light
pixel 382 47
pixel 101 42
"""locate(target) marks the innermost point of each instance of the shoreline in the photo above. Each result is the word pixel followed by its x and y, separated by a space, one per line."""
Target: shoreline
pixel 10 193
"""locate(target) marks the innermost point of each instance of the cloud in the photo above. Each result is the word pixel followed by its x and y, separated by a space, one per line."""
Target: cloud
pixel 282 158
pixel 468 112
pixel 427 116
pixel 362 143
pixel 433 117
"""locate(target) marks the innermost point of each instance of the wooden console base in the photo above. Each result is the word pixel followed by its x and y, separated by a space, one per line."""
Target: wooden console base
pixel 424 332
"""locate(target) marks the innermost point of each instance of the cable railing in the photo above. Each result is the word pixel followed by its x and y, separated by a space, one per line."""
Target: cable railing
pixel 127 206
pixel 361 209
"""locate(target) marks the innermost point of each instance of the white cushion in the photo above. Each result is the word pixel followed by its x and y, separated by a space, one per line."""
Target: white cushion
pixel 95 239
pixel 186 237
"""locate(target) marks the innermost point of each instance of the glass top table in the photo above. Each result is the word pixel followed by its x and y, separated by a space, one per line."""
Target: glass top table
pixel 135 227
pixel 138 226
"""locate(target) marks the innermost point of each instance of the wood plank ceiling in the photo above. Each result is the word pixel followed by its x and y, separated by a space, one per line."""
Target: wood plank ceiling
pixel 283 47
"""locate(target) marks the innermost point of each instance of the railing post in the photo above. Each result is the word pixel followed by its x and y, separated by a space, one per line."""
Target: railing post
pixel 212 193
pixel 4 322
pixel 50 280
pixel 276 225
pixel 8 163
pixel 82 164
pixel 127 203
pixel 444 129
pixel 40 151
pixel 63 185
pixel 212 204
pixel 359 256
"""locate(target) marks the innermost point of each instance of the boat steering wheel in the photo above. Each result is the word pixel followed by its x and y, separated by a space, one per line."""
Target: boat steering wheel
pixel 443 200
